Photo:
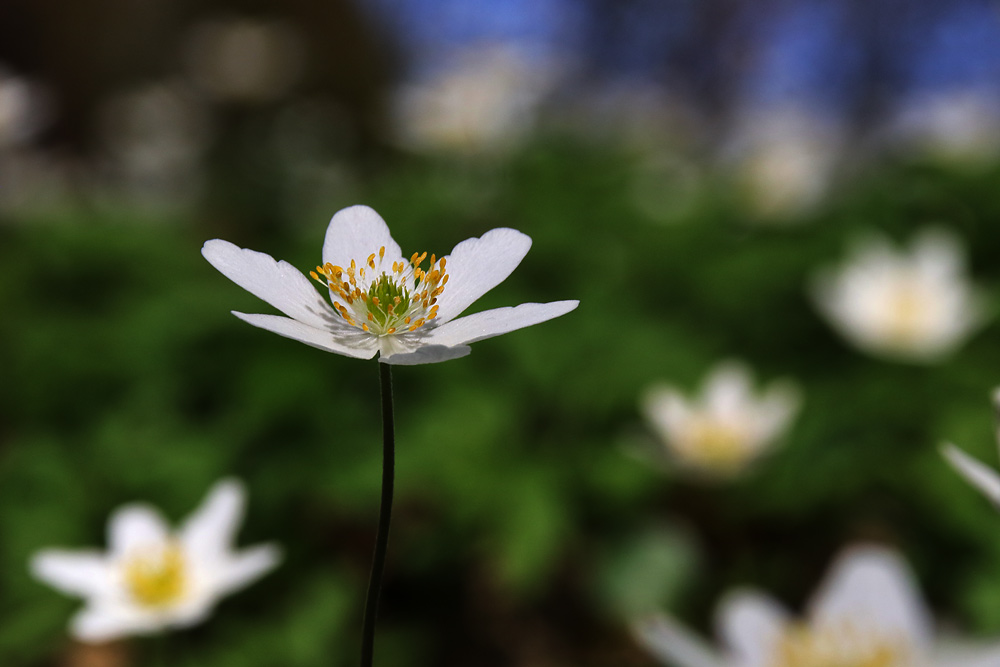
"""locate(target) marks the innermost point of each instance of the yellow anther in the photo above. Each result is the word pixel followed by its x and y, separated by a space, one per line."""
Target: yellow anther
pixel 375 300
pixel 443 260
pixel 381 252
pixel 445 279
pixel 364 327
pixel 314 276
pixel 371 260
pixel 396 300
pixel 406 321
pixel 391 330
pixel 371 318
pixel 433 260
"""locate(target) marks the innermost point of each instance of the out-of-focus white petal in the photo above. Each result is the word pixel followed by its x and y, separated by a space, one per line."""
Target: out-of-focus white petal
pixel 355 233
pixel 955 653
pixel 247 566
pixel 107 622
pixel 674 644
pixel 349 344
pixel 727 390
pixel 427 354
pixel 136 527
pixel 494 322
pixel 278 283
pixel 210 531
pixel 477 265
pixel 776 408
pixel 871 588
pixel 668 411
pixel 978 474
pixel 83 573
pixel 751 625
pixel 937 254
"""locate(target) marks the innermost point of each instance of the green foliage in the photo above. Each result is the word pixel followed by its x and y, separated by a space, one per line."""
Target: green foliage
pixel 518 496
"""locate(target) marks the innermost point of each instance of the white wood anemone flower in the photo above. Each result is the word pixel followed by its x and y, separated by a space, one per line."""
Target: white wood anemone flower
pixel 916 305
pixel 727 426
pixel 981 476
pixel 151 578
pixel 868 613
pixel 382 301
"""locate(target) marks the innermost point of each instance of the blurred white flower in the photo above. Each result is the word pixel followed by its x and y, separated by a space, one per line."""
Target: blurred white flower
pixel 784 159
pixel 867 613
pixel 245 60
pixel 727 426
pixel 25 109
pixel 917 305
pixel 484 101
pixel 383 302
pixel 152 578
pixel 982 477
pixel 154 137
pixel 961 126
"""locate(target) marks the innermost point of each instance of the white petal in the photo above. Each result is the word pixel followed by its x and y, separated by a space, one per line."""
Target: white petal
pixel 674 644
pixel 728 390
pixel 967 654
pixel 278 283
pixel 751 625
pixel 82 573
pixel 248 566
pixel 776 408
pixel 355 233
pixel 136 527
pixel 872 588
pixel 96 624
pixel 667 410
pixel 494 322
pixel 978 474
pixel 358 346
pixel 209 533
pixel 428 354
pixel 477 265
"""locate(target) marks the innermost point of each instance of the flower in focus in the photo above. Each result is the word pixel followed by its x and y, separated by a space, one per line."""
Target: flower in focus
pixel 152 578
pixel 383 302
pixel 868 613
pixel 727 426
pixel 916 305
pixel 981 476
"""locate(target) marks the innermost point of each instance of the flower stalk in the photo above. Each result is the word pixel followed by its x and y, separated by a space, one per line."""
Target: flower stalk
pixel 385 515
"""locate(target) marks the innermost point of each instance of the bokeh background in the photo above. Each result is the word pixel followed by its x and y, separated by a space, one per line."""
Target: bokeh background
pixel 683 169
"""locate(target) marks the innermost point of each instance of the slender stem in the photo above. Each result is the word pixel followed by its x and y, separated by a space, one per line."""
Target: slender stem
pixel 384 515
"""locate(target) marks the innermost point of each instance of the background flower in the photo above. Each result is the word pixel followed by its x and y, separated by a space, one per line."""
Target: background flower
pixel 727 425
pixel 867 613
pixel 915 305
pixel 151 578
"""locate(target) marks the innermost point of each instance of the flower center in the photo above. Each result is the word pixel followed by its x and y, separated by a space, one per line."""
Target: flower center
pixel 157 579
pixel 714 443
pixel 801 647
pixel 906 313
pixel 385 300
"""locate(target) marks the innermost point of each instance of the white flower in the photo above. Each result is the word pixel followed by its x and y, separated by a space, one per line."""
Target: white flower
pixel 867 613
pixel 979 475
pixel 916 305
pixel 483 99
pixel 383 302
pixel 152 578
pixel 785 160
pixel 727 426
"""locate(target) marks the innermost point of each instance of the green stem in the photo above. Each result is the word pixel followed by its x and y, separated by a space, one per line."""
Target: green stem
pixel 385 514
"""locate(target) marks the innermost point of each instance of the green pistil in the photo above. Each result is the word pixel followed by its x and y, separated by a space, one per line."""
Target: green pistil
pixel 386 291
